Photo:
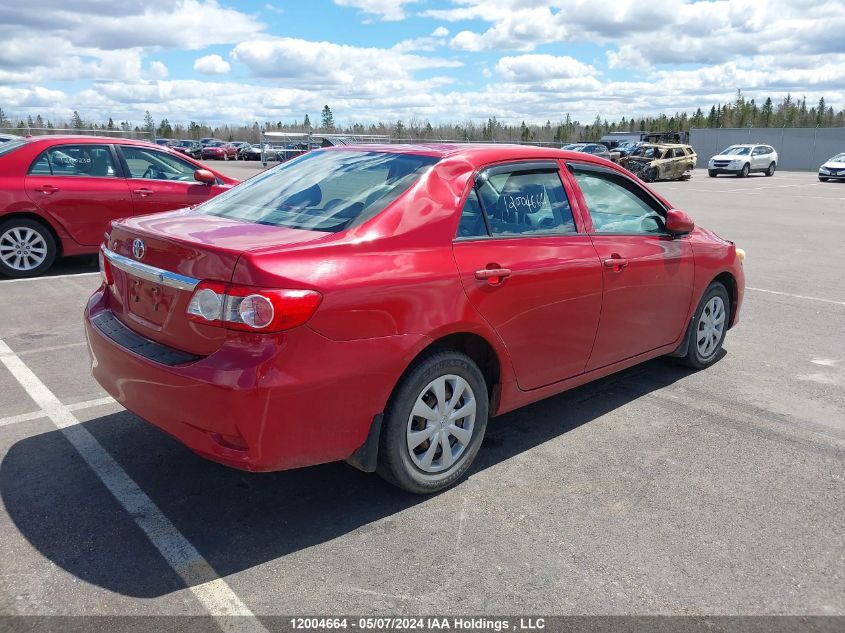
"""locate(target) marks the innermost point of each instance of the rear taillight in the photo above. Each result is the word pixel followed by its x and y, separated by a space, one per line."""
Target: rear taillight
pixel 105 268
pixel 251 309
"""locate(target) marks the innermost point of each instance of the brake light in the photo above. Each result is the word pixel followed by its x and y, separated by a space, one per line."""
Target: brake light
pixel 251 309
pixel 105 269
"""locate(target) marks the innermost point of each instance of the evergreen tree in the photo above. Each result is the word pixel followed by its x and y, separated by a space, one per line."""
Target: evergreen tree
pixel 110 125
pixel 149 122
pixel 327 118
pixel 307 122
pixel 4 120
pixel 76 121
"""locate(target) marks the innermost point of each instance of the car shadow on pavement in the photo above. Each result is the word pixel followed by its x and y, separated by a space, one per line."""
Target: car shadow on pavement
pixel 238 520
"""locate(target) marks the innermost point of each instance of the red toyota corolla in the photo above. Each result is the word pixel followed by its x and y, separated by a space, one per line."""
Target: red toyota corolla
pixel 378 304
pixel 58 194
pixel 219 150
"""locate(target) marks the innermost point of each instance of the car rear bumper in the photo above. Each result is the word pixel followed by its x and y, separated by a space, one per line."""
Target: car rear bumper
pixel 260 402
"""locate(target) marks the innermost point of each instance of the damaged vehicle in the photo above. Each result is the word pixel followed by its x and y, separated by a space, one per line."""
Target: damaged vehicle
pixel 652 162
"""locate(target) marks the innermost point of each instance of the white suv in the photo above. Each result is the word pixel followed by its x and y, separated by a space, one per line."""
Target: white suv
pixel 741 160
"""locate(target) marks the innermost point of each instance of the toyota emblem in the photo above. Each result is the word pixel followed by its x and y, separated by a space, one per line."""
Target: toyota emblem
pixel 138 249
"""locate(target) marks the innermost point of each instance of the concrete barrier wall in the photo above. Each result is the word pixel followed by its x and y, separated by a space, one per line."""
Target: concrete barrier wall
pixel 799 149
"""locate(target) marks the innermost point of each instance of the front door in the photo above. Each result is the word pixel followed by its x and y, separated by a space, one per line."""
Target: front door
pixel 648 274
pixel 529 271
pixel 81 187
pixel 160 181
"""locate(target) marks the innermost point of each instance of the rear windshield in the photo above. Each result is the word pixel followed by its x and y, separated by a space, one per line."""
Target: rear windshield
pixel 322 190
pixel 11 146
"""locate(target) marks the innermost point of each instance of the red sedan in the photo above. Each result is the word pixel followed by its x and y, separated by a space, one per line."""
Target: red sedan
pixel 217 150
pixel 58 194
pixel 378 304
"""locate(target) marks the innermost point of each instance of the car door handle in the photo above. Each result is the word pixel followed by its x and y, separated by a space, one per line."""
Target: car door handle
pixel 492 275
pixel 616 263
pixel 48 189
pixel 143 192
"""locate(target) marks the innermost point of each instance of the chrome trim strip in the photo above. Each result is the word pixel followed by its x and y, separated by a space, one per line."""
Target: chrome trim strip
pixel 150 273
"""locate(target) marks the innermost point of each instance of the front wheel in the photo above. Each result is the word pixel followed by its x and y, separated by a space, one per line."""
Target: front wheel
pixel 821 179
pixel 709 327
pixel 434 423
pixel 711 173
pixel 27 248
pixel 771 170
pixel 744 171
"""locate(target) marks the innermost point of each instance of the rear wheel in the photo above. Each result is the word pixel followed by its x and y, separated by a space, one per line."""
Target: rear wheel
pixel 434 424
pixel 27 248
pixel 744 171
pixel 771 170
pixel 709 327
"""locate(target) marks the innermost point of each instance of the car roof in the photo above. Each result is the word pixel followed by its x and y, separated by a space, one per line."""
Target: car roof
pixel 49 138
pixel 484 152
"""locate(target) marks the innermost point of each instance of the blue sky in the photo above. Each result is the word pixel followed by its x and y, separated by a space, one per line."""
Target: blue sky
pixel 440 60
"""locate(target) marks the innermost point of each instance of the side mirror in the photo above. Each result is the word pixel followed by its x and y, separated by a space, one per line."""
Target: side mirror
pixel 205 176
pixel 678 222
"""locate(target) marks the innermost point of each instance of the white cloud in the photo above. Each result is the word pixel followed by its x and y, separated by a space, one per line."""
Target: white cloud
pixel 158 69
pixel 530 68
pixel 388 10
pixel 212 65
pixel 326 63
pixel 274 9
pixel 440 31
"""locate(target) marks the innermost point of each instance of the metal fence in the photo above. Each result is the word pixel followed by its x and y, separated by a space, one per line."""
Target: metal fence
pixel 48 131
pixel 798 148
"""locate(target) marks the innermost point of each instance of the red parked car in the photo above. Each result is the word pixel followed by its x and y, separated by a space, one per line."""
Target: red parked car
pixel 58 194
pixel 217 150
pixel 378 304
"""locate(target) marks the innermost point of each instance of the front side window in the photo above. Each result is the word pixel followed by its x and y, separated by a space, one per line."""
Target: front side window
pixel 322 190
pixel 526 203
pixel 93 161
pixel 154 165
pixel 617 205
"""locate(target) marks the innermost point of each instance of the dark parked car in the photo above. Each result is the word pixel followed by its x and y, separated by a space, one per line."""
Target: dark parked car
pixel 188 147
pixel 596 149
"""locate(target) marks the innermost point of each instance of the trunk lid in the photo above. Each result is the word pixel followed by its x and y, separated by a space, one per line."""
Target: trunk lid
pixel 195 247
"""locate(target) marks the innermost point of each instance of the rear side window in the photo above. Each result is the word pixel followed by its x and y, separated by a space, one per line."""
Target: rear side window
pixel 526 203
pixel 41 166
pixel 92 161
pixel 472 218
pixel 10 146
pixel 322 190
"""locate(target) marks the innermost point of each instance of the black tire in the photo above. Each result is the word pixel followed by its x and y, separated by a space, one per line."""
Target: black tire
pixel 711 173
pixel 694 357
pixel 394 459
pixel 45 235
pixel 823 179
pixel 771 170
pixel 746 168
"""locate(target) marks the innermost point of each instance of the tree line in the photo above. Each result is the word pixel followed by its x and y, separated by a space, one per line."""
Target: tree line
pixel 741 112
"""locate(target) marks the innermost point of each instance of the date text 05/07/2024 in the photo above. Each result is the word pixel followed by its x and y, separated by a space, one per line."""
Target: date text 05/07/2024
pixel 467 624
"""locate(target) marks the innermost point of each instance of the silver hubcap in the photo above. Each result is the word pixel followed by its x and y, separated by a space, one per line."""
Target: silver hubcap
pixel 441 423
pixel 22 249
pixel 710 327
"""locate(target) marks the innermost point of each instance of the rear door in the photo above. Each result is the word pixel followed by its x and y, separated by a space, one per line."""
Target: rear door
pixel 529 270
pixel 648 273
pixel 82 187
pixel 160 181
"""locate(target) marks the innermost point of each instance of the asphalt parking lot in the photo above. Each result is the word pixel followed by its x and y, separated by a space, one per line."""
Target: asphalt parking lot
pixel 655 491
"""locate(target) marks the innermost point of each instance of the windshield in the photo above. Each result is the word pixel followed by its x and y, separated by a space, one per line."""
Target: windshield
pixel 737 151
pixel 839 158
pixel 322 191
pixel 11 146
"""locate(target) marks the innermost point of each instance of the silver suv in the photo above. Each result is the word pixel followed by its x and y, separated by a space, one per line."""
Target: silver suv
pixel 741 160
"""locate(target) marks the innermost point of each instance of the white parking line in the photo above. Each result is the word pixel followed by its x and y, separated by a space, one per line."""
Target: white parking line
pixel 77 406
pixel 201 579
pixel 788 294
pixel 48 277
